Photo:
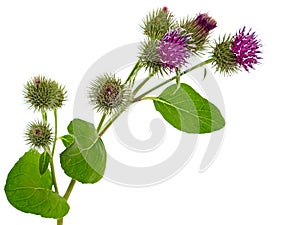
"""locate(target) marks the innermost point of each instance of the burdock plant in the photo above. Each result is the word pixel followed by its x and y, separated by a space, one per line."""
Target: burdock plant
pixel 31 185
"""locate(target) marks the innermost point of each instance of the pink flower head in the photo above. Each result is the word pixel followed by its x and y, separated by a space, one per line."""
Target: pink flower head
pixel 173 49
pixel 246 48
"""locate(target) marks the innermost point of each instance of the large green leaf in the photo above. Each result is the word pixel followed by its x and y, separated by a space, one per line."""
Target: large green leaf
pixel 187 111
pixel 29 191
pixel 85 159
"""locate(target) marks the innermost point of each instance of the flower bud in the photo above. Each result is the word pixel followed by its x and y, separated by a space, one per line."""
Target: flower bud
pixel 199 29
pixel 149 56
pixel 157 23
pixel 44 94
pixel 108 95
pixel 38 134
pixel 223 59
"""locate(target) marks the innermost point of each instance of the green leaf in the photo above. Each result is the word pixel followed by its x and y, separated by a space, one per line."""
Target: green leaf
pixel 187 111
pixel 44 162
pixel 67 140
pixel 29 191
pixel 85 159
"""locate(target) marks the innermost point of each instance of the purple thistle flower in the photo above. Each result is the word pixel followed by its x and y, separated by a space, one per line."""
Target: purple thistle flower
pixel 205 22
pixel 246 48
pixel 173 49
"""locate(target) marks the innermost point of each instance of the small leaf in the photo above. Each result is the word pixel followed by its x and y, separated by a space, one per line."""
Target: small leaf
pixel 85 159
pixel 67 140
pixel 44 162
pixel 187 111
pixel 205 73
pixel 29 191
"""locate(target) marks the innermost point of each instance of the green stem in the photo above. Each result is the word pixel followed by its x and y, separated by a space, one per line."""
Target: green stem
pixel 60 221
pixel 44 116
pixel 53 175
pixel 197 66
pixel 141 85
pixel 55 131
pixel 109 123
pixel 69 189
pixel 148 98
pixel 133 73
pixel 177 78
pixel 173 78
pixel 152 89
pixel 52 152
pixel 101 122
pixel 66 196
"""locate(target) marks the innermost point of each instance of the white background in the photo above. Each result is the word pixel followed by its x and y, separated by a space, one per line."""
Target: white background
pixel 255 179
